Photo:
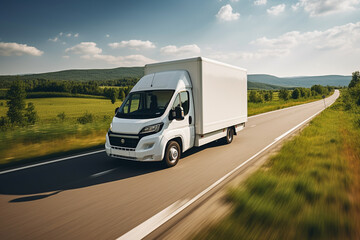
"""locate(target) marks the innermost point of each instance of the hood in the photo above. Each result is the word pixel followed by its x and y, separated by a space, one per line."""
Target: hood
pixel 131 126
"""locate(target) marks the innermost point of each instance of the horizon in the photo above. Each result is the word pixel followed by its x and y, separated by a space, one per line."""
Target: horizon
pixel 275 37
pixel 84 69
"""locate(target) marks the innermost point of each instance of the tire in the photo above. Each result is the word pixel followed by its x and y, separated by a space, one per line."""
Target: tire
pixel 172 154
pixel 229 135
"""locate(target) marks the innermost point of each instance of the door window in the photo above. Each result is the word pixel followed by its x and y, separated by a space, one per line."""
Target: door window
pixel 182 100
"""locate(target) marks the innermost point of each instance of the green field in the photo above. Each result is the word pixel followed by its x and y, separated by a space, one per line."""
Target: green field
pixel 297 194
pixel 49 108
pixel 51 134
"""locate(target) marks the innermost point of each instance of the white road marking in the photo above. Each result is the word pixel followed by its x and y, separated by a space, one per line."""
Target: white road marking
pixel 154 222
pixel 297 126
pixel 102 173
pixel 150 225
pixel 53 161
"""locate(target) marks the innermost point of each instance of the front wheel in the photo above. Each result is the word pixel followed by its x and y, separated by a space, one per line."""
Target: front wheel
pixel 172 154
pixel 229 135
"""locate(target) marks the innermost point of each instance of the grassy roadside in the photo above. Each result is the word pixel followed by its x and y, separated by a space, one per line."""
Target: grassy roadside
pixel 309 190
pixel 257 108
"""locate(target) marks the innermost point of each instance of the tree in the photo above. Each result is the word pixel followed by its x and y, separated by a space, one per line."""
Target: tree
pixel 30 114
pixel 16 102
pixel 284 94
pixel 255 97
pixel 122 95
pixel 355 79
pixel 296 93
pixel 113 95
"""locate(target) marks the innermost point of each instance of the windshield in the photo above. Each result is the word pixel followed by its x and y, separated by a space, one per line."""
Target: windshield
pixel 146 104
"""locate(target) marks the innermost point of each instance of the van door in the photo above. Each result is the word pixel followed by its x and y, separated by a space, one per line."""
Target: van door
pixel 185 126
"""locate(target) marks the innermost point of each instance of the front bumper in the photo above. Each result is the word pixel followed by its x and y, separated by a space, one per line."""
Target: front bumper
pixel 150 148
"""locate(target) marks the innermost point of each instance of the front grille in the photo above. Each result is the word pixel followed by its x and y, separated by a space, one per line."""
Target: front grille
pixel 123 141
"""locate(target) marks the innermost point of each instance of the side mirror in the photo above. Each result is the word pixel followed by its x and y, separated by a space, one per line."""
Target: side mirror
pixel 116 109
pixel 177 113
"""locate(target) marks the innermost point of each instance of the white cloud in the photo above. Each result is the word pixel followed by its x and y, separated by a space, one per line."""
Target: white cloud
pixel 133 44
pixel 234 0
pixel 84 48
pixel 107 35
pixel 226 13
pixel 276 10
pixel 336 40
pixel 192 49
pixel 89 51
pixel 55 39
pixel 260 2
pixel 68 35
pixel 76 35
pixel 66 56
pixel 9 49
pixel 339 37
pixel 325 7
pixel 61 33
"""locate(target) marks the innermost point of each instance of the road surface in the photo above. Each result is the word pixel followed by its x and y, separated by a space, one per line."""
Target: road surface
pixel 96 197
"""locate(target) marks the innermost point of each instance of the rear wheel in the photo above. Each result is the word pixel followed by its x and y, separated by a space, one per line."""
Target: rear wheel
pixel 229 135
pixel 172 154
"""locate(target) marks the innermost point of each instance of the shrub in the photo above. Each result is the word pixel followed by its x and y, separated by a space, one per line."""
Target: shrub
pixel 86 118
pixel 61 116
pixel 30 114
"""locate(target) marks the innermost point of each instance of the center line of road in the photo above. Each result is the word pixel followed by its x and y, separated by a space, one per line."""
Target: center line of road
pixel 153 223
pixel 102 173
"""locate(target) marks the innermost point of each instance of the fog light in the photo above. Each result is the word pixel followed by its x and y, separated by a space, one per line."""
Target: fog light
pixel 148 145
pixel 148 157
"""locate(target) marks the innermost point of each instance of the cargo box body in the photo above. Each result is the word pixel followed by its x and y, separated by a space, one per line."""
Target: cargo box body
pixel 219 91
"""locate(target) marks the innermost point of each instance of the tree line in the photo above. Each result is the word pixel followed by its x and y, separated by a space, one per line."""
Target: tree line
pixel 261 96
pixel 74 87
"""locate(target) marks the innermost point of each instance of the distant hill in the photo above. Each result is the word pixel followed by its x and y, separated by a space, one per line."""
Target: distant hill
pixel 84 75
pixel 263 86
pixel 256 81
pixel 332 80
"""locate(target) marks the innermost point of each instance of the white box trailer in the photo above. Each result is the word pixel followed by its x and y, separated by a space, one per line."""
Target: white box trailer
pixel 178 105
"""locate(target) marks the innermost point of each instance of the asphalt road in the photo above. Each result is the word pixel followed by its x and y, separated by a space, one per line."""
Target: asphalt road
pixel 96 197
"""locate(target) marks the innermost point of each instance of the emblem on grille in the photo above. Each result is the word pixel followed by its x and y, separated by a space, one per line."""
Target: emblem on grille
pixel 122 141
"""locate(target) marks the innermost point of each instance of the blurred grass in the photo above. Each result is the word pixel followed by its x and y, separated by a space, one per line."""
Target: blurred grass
pixel 304 191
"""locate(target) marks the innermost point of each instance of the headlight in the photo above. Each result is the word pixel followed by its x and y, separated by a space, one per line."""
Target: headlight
pixel 110 127
pixel 151 129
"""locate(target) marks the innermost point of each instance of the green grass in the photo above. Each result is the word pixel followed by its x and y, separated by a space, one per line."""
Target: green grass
pixel 306 191
pixel 276 103
pixel 49 108
pixel 51 134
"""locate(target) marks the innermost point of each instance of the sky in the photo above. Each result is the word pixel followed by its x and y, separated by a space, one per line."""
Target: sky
pixel 278 37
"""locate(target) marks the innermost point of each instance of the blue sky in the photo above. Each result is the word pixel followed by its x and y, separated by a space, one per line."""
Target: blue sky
pixel 279 37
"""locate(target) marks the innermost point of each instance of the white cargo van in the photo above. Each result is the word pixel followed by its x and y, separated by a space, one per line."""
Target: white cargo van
pixel 178 105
